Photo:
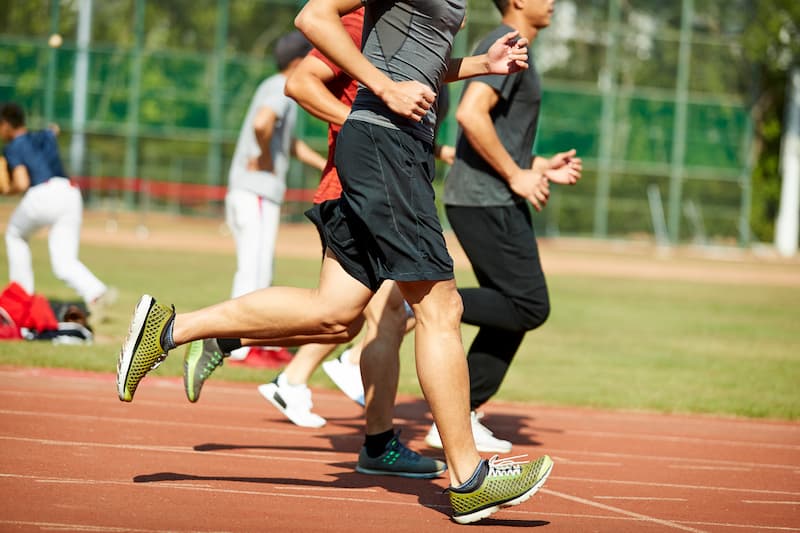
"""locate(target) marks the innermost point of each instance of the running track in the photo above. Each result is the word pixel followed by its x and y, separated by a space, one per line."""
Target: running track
pixel 75 458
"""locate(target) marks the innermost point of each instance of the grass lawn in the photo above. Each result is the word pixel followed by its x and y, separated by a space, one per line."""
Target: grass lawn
pixel 670 346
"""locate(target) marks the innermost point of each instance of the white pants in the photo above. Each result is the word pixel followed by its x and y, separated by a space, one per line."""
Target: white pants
pixel 254 221
pixel 59 205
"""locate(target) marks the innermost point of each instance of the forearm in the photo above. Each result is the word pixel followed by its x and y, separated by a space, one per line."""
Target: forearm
pixel 481 134
pixel 314 97
pixel 320 22
pixel 306 155
pixel 460 68
pixel 539 163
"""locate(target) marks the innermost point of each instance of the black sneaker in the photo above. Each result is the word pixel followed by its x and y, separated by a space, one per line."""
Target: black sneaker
pixel 398 460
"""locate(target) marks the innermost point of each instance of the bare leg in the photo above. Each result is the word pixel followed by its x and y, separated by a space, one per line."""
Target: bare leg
pixel 380 362
pixel 284 316
pixel 305 361
pixel 442 370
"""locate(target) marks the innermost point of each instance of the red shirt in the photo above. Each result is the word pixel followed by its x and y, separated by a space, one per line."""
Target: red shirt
pixel 343 87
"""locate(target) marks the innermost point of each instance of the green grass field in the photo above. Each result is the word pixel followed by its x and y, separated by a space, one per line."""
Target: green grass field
pixel 669 346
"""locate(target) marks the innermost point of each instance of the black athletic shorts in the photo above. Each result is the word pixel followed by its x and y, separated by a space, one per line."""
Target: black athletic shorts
pixel 385 225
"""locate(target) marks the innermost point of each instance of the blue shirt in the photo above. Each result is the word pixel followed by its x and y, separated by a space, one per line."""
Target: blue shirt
pixel 38 151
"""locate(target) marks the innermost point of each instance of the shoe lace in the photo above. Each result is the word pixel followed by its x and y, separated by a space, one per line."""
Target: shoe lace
pixel 158 361
pixel 212 362
pixel 505 466
pixel 397 445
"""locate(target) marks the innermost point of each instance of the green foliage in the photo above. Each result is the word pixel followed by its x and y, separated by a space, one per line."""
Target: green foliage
pixel 772 45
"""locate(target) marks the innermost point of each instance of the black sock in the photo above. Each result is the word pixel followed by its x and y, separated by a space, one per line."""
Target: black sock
pixel 376 444
pixel 475 480
pixel 167 342
pixel 229 345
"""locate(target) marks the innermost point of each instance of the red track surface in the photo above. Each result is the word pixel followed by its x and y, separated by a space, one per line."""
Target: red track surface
pixel 75 458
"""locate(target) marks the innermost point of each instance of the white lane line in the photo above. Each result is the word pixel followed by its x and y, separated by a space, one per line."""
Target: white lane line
pixel 167 449
pixel 682 439
pixel 109 419
pixel 60 526
pixel 772 502
pixel 176 484
pixel 260 457
pixel 714 468
pixel 676 486
pixel 290 431
pixel 640 498
pixel 538 514
pixel 674 459
pixel 645 518
pixel 563 460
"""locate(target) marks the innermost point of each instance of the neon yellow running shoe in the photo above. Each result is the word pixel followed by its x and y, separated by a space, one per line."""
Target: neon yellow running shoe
pixel 505 483
pixel 200 360
pixel 143 349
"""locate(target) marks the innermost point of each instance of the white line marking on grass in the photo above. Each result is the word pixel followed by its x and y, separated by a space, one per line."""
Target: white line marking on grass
pixel 650 519
pixel 640 498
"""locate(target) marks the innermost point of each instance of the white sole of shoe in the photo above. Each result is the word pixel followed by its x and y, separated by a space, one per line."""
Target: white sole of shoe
pixel 270 393
pixel 484 513
pixel 412 475
pixel 131 342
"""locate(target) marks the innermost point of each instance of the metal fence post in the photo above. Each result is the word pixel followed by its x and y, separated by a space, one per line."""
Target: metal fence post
pixel 52 65
pixel 608 86
pixel 218 94
pixel 131 168
pixel 77 150
pixel 677 165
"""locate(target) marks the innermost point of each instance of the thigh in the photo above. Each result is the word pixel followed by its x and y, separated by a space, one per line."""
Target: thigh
pixel 386 177
pixel 501 246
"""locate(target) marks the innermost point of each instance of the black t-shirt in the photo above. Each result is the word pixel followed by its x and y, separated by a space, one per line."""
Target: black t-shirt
pixel 471 180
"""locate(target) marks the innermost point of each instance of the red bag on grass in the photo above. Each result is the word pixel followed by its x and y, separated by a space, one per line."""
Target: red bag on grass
pixel 26 310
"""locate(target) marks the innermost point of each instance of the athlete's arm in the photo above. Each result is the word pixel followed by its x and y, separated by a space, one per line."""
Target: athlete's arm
pixel 473 115
pixel 507 55
pixel 19 181
pixel 320 22
pixel 263 127
pixel 305 154
pixel 307 86
pixel 563 168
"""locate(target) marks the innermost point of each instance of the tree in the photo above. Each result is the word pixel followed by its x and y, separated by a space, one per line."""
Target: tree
pixel 772 47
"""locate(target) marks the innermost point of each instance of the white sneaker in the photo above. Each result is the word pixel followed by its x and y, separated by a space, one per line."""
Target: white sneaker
pixel 346 376
pixel 98 309
pixel 294 401
pixel 485 441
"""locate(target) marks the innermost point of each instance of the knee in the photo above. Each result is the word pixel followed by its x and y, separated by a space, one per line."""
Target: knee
pixel 446 313
pixel 61 269
pixel 534 315
pixel 345 324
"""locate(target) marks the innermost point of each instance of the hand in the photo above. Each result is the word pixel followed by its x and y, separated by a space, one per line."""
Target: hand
pixel 564 168
pixel 508 54
pixel 531 185
pixel 409 99
pixel 258 164
pixel 446 154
